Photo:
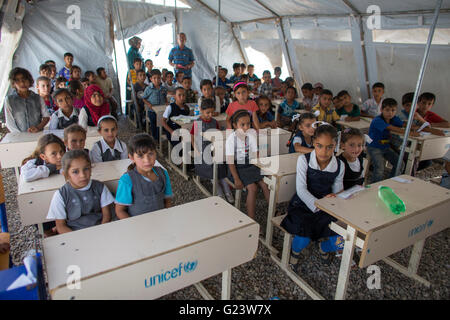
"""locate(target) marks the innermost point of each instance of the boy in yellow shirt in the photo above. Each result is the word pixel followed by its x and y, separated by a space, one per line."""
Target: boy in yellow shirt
pixel 325 111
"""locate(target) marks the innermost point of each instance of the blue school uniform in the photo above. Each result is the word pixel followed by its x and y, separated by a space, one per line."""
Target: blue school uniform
pixel 352 178
pixel 286 110
pixel 300 220
pixel 175 111
pixel 267 117
pixel 300 135
pixel 142 195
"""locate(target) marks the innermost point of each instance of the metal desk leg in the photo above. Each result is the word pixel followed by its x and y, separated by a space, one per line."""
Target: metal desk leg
pixel 411 157
pixel 226 284
pixel 346 263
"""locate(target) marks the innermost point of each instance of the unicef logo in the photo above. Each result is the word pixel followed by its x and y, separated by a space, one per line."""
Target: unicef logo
pixel 190 266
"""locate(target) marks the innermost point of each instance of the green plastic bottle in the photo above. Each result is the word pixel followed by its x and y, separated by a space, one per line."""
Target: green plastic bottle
pixel 392 201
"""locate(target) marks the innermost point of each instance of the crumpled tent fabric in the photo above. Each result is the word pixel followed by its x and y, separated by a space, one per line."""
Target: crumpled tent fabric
pixel 323 39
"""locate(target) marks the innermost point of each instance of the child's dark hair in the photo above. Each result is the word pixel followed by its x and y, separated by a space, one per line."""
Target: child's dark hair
pixel 178 73
pixel 140 71
pixel 427 96
pixel 240 85
pixel 236 65
pixel 73 68
pixel 243 65
pixel 45 67
pixel 277 69
pixel 42 143
pixel 42 78
pixel 148 60
pixel 72 129
pixel 84 79
pixel 407 98
pixel 207 104
pixel 389 102
pixel 169 72
pixel 186 78
pixel 50 62
pixel 89 73
pixel 61 91
pixel 350 133
pixel 205 82
pixel 266 72
pixel 224 69
pixel 307 86
pixel 99 70
pixel 292 88
pixel 289 80
pixel 68 54
pixel 71 155
pixel 24 72
pixel 75 85
pixel 378 85
pixel 60 80
pixel 155 72
pixel 326 92
pixel 326 129
pixel 137 60
pixel 250 66
pixel 342 93
pixel 238 115
pixel 140 144
pixel 180 89
pixel 165 70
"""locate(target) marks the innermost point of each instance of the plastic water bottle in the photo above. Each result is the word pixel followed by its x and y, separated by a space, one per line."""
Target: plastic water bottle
pixel 196 110
pixel 392 201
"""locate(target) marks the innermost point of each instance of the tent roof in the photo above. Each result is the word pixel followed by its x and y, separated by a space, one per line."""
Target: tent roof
pixel 248 10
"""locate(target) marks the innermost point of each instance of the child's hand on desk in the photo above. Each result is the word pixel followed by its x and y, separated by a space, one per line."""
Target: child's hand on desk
pixel 331 195
pixel 414 134
pixel 33 129
pixel 238 184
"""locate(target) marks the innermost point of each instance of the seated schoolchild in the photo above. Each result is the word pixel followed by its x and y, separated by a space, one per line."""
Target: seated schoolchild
pixel 75 138
pixel 264 113
pixel 287 108
pixel 372 107
pixel 25 111
pixel 82 202
pixel 241 92
pixel 66 114
pixel 302 138
pixel 348 111
pixel 65 71
pixel 109 148
pixel 206 87
pixel 380 131
pixel 44 87
pixel 424 104
pixel 154 95
pixel 309 99
pixel 224 101
pixel 146 186
pixel 326 112
pixel 319 175
pixel 276 81
pixel 266 88
pixel 76 88
pixel 174 109
pixel 191 95
pixel 169 84
pixel 75 73
pixel 95 107
pixel 352 145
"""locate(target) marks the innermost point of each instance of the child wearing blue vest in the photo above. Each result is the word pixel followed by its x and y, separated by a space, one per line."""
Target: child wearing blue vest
pixel 319 174
pixel 264 113
pixel 145 187
pixel 109 148
pixel 172 110
pixel 66 114
pixel 82 202
pixel 301 139
pixel 352 144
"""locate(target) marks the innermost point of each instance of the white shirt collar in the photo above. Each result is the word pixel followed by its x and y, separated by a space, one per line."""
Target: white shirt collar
pixel 117 145
pixel 61 114
pixel 331 167
pixel 87 186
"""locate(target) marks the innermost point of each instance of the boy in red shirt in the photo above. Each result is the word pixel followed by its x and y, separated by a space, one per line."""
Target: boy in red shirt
pixel 424 104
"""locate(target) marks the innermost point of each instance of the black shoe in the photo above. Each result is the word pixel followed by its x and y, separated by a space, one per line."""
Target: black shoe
pixel 326 257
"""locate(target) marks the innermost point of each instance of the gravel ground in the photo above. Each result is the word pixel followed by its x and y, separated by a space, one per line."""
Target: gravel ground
pixel 261 278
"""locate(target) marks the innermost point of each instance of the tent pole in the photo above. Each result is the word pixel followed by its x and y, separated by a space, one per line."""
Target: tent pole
pixel 113 38
pixel 218 44
pixel 418 86
pixel 133 93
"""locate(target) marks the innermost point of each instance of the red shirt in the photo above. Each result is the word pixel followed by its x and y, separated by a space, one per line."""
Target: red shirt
pixel 194 126
pixel 235 106
pixel 432 117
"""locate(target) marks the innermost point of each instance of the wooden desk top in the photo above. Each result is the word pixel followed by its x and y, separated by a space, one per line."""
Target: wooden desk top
pixel 223 133
pixel 279 165
pixel 366 212
pixel 361 124
pixel 221 117
pixel 20 137
pixel 107 247
pixel 429 136
pixel 101 171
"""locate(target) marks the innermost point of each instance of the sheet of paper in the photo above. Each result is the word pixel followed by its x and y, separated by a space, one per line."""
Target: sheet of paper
pixel 349 192
pixel 20 282
pixel 401 180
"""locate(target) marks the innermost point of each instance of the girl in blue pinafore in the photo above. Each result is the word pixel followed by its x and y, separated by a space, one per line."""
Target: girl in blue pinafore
pixel 145 187
pixel 319 174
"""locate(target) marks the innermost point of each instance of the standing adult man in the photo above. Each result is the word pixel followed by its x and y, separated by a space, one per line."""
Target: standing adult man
pixel 181 57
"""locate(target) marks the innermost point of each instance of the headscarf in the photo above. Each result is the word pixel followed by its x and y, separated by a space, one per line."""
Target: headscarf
pixel 133 42
pixel 96 112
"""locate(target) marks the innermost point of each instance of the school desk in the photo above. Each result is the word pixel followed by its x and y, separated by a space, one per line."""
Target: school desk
pixel 221 119
pixel 280 173
pixel 153 254
pixel 17 146
pixel 426 147
pixel 34 197
pixel 364 221
pixel 159 110
pixel 363 124
pixel 270 142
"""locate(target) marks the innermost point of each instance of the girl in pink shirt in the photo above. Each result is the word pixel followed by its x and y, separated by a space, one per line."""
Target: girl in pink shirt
pixel 241 93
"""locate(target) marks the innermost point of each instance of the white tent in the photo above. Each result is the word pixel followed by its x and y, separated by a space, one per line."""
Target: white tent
pixel 337 42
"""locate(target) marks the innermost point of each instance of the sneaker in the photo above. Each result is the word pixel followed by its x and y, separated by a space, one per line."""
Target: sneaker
pixel 229 197
pixel 293 260
pixel 326 257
